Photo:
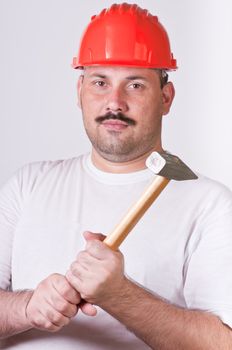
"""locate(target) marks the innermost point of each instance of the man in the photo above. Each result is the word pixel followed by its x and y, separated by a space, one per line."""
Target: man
pixel 170 286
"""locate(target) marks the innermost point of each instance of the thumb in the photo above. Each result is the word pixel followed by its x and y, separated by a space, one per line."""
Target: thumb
pixel 88 309
pixel 89 236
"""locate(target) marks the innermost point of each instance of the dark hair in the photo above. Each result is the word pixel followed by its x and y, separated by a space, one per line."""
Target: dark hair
pixel 163 75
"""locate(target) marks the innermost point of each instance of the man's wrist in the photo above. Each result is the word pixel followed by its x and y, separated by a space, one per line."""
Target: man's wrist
pixel 21 303
pixel 119 296
pixel 13 318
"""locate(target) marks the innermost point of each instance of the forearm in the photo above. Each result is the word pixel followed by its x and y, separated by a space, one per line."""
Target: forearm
pixel 13 319
pixel 164 326
pixel 98 275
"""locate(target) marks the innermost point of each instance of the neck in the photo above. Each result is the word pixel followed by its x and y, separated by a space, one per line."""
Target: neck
pixel 124 167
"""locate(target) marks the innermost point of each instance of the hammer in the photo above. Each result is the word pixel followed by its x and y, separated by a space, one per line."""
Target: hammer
pixel 166 167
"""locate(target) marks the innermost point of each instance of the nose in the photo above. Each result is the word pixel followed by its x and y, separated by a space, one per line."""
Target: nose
pixel 116 101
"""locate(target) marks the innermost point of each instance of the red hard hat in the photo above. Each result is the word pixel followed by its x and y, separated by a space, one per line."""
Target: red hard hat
pixel 125 35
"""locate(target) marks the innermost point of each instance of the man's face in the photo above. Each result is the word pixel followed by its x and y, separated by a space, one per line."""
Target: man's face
pixel 122 110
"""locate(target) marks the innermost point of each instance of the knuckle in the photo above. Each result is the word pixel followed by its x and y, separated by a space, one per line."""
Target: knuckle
pixel 75 272
pixel 65 293
pixel 60 282
pixel 77 284
pixel 64 289
pixel 61 305
pixel 56 318
pixel 70 276
pixel 73 267
pixel 48 281
pixel 43 284
pixel 74 297
pixel 66 321
pixel 81 257
pixel 49 326
pixel 37 321
pixel 71 295
pixel 73 310
pixel 41 323
pixel 55 277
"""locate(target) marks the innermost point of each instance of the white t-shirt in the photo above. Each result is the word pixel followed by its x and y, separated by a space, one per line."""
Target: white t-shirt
pixel 181 249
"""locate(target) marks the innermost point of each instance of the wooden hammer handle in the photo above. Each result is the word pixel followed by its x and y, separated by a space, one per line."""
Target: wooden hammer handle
pixel 116 237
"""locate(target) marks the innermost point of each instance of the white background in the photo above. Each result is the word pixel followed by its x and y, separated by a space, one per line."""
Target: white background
pixel 39 118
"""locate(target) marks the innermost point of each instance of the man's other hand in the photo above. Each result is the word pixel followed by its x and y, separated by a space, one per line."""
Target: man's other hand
pixel 98 272
pixel 52 304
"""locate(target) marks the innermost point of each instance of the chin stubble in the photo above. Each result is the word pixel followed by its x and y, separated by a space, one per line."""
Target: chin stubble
pixel 115 150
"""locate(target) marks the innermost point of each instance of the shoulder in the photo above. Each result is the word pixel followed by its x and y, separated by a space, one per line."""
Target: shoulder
pixel 203 186
pixel 212 188
pixel 203 197
pixel 48 165
pixel 29 175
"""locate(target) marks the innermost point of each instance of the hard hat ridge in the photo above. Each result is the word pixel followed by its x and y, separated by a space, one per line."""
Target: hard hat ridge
pixel 125 35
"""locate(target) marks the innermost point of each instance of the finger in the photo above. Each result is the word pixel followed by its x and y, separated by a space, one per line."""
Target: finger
pixel 55 317
pixel 66 291
pixel 61 305
pixel 88 309
pixel 85 260
pixel 91 235
pixel 74 280
pixel 78 271
pixel 99 250
pixel 41 322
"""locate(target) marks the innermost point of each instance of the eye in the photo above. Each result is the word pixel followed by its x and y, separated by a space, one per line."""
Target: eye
pixel 100 83
pixel 136 86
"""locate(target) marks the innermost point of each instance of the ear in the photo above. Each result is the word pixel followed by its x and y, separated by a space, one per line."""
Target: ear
pixel 168 93
pixel 79 87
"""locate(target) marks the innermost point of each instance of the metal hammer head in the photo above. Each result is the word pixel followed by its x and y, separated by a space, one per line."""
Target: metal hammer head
pixel 169 166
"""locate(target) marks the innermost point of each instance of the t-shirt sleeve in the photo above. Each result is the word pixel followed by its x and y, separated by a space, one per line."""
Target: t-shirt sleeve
pixel 208 271
pixel 11 199
pixel 14 195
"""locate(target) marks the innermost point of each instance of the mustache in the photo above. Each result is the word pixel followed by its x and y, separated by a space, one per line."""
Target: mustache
pixel 118 116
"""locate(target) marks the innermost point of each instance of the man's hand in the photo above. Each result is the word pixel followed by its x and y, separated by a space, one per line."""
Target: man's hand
pixel 52 304
pixel 98 272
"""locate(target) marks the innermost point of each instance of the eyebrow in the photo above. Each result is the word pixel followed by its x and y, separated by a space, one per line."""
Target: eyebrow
pixel 96 75
pixel 136 77
pixel 130 77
